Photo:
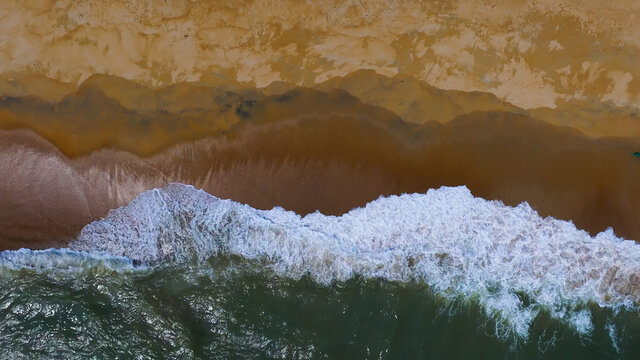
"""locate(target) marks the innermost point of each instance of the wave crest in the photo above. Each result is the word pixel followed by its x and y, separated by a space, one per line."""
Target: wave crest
pixel 514 261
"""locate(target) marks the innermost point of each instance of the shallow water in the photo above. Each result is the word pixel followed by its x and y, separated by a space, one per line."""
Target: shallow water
pixel 332 164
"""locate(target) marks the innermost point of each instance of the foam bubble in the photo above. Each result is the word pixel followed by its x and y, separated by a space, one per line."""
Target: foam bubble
pixel 510 258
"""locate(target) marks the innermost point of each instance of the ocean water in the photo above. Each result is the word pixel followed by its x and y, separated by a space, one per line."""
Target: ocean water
pixel 179 273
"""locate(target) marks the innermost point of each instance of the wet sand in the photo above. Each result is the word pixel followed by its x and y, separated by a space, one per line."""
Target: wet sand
pixel 303 150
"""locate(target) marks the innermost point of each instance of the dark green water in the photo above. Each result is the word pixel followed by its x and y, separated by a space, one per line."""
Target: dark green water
pixel 228 309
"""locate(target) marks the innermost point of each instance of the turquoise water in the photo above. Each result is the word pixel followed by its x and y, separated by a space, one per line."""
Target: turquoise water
pixel 233 309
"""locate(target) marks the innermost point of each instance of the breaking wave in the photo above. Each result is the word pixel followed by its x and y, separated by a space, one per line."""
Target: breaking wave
pixel 515 263
pixel 64 260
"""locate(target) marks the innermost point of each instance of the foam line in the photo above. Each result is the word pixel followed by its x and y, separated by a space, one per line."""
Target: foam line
pixel 64 260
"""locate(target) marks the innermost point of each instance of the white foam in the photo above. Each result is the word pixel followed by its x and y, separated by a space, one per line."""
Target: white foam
pixel 461 246
pixel 64 260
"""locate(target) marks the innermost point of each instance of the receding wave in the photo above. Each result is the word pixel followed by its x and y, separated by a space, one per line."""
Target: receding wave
pixel 515 262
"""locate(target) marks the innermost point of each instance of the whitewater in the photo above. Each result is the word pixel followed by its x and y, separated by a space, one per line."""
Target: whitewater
pixel 510 260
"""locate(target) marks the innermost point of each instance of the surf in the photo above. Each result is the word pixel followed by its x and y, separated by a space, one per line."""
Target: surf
pixel 516 264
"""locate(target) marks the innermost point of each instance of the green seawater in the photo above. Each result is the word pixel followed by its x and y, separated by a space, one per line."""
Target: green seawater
pixel 230 309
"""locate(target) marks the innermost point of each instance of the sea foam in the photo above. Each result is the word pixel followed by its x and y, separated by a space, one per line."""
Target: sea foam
pixel 511 259
pixel 63 260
